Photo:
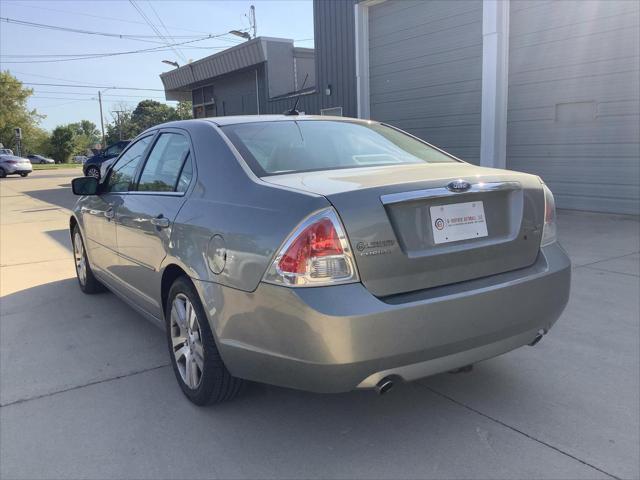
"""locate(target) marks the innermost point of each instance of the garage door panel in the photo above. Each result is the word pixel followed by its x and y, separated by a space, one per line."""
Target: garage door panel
pixel 568 18
pixel 574 51
pixel 598 68
pixel 613 87
pixel 438 61
pixel 395 17
pixel 426 69
pixel 453 104
pixel 566 152
pixel 441 41
pixel 424 83
pixel 574 90
pixel 554 133
pixel 427 31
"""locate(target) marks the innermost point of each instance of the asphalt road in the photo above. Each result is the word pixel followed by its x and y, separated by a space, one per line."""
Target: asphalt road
pixel 86 390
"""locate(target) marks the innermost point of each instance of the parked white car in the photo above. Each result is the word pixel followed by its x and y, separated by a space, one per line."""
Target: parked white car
pixel 80 159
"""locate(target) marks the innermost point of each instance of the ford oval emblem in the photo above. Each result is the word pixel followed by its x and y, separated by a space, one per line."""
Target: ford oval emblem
pixel 459 186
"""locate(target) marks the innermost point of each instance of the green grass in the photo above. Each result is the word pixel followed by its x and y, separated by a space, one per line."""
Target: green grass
pixel 56 166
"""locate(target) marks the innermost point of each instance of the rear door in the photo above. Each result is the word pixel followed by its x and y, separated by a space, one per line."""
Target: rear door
pixel 145 218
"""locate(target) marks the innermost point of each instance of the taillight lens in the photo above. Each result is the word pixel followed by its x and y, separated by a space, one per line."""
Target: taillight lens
pixel 316 253
pixel 11 162
pixel 549 229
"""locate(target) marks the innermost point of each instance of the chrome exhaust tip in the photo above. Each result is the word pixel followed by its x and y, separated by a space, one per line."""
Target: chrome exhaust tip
pixel 383 386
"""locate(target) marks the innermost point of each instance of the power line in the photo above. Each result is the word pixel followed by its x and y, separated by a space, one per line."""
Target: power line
pixel 104 34
pixel 112 54
pixel 165 28
pixel 96 54
pixel 101 17
pixel 154 28
pixel 58 92
pixel 94 86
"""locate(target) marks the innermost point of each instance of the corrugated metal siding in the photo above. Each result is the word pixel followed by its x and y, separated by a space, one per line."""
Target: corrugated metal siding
pixel 426 70
pixel 334 40
pixel 574 100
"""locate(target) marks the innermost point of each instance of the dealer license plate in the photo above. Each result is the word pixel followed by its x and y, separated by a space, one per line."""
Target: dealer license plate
pixel 458 221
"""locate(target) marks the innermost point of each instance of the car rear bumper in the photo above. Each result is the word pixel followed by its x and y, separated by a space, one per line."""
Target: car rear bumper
pixel 334 339
pixel 17 169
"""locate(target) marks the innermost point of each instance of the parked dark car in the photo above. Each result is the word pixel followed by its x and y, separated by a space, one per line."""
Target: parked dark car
pixel 92 166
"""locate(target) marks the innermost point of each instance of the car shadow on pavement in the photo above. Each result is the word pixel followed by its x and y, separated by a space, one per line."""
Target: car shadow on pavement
pixel 61 197
pixel 61 236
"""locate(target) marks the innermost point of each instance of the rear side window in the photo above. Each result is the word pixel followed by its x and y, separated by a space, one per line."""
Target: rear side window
pixel 124 170
pixel 277 147
pixel 165 164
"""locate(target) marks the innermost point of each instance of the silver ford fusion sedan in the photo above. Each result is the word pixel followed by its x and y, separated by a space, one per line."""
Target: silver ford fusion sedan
pixel 319 253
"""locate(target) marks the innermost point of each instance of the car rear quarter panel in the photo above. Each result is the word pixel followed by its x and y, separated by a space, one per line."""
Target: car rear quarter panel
pixel 251 217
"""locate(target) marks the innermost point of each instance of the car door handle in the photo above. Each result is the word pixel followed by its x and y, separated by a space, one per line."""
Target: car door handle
pixel 160 222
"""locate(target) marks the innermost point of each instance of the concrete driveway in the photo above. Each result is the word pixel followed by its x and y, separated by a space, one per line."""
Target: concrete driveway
pixel 86 390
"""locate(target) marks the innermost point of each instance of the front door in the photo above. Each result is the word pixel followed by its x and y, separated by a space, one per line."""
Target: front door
pixel 100 211
pixel 145 218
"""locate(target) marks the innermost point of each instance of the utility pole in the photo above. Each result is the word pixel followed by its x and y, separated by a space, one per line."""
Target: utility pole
pixel 118 112
pixel 101 117
pixel 252 19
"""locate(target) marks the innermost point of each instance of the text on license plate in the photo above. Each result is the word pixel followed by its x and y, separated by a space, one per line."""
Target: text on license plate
pixel 458 221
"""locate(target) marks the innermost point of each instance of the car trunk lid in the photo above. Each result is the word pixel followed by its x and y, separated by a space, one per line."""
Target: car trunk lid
pixel 390 216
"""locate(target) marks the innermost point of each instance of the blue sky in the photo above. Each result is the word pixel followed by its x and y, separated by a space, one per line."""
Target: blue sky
pixel 285 18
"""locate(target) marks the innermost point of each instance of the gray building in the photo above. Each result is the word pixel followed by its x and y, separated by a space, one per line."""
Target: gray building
pixel 547 87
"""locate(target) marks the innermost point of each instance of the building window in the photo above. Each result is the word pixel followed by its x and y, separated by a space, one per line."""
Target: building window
pixel 203 102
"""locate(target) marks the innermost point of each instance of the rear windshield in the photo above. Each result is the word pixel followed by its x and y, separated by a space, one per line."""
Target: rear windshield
pixel 272 148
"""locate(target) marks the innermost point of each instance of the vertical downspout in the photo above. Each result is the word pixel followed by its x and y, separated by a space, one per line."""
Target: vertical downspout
pixel 257 93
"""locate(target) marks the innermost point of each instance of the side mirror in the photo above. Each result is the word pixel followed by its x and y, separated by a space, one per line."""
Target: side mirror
pixel 84 186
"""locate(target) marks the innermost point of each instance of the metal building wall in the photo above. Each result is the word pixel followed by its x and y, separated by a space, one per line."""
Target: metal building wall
pixel 335 61
pixel 574 100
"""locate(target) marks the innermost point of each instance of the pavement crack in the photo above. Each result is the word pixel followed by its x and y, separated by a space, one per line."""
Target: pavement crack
pixel 521 432
pixel 607 259
pixel 598 269
pixel 78 387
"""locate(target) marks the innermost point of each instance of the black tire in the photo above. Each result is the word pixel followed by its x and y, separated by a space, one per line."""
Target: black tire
pixel 2 173
pixel 91 284
pixel 93 172
pixel 24 175
pixel 216 385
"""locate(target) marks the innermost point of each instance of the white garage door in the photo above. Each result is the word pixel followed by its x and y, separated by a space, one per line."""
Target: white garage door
pixel 574 96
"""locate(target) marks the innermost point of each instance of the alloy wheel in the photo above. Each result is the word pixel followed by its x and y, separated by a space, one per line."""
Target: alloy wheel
pixel 186 341
pixel 78 254
pixel 93 172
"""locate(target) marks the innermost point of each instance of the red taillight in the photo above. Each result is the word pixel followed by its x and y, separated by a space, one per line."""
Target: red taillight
pixel 11 162
pixel 317 240
pixel 317 253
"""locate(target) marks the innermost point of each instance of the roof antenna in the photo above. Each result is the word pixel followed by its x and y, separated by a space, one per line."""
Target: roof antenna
pixel 293 111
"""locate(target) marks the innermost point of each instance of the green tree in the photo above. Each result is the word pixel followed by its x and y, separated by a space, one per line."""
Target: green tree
pixel 86 135
pixel 184 110
pixel 62 143
pixel 121 128
pixel 149 113
pixel 14 113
